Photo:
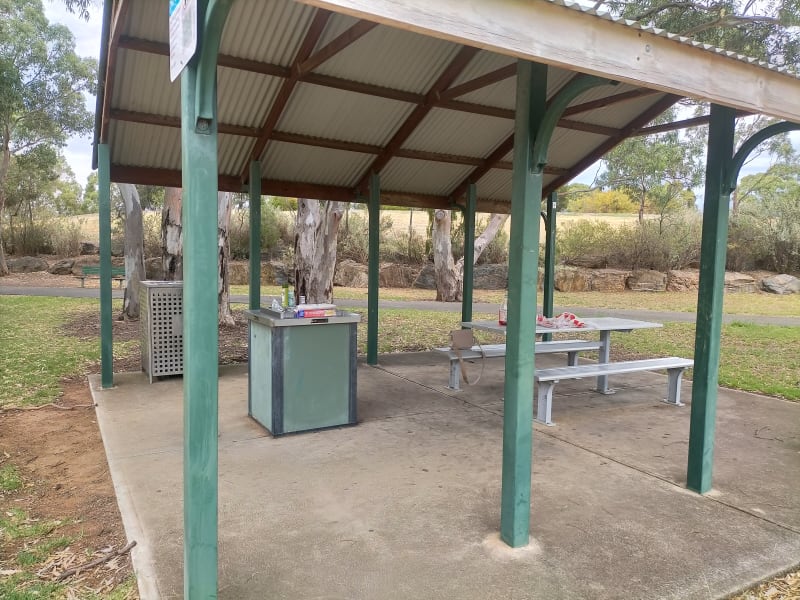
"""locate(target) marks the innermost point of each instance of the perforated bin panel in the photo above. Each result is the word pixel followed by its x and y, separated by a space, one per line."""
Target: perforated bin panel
pixel 161 317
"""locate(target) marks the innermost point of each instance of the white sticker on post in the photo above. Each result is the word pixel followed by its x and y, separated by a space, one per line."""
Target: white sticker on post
pixel 182 35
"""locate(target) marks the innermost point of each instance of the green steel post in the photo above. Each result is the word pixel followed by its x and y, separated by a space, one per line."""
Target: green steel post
pixel 709 299
pixel 255 235
pixel 200 338
pixel 104 201
pixel 469 252
pixel 522 274
pixel 373 268
pixel 549 258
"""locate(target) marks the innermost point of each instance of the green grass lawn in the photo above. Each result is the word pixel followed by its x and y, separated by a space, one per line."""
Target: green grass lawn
pixel 38 353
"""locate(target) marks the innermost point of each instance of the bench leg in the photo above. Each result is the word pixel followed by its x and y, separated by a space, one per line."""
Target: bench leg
pixel 604 354
pixel 455 375
pixel 674 386
pixel 83 280
pixel 572 359
pixel 544 402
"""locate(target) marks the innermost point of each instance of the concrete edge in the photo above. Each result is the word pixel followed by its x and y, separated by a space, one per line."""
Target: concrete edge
pixel 141 554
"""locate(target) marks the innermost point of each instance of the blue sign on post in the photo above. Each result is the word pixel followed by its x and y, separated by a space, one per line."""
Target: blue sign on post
pixel 182 35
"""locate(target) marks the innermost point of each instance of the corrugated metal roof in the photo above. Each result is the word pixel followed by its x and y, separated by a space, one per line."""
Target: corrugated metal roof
pixel 292 162
pixel 453 132
pixel 340 115
pixel 338 103
pixel 422 177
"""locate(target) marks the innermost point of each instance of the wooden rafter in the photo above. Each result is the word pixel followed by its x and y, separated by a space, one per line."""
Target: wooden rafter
pixel 693 122
pixel 639 122
pixel 480 82
pixel 453 70
pixel 506 146
pixel 334 47
pixel 117 25
pixel 608 101
pixel 312 36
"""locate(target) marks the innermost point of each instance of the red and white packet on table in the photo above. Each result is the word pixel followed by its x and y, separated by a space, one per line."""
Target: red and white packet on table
pixel 563 321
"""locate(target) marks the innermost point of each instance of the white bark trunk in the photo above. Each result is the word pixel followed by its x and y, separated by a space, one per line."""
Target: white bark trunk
pixel 134 250
pixel 484 239
pixel 316 230
pixel 172 235
pixel 5 164
pixel 224 253
pixel 448 278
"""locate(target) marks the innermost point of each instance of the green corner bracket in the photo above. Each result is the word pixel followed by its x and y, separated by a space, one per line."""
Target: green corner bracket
pixel 750 144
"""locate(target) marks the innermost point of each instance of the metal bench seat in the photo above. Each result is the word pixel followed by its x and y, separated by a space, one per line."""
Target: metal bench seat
pixel 548 378
pixel 571 347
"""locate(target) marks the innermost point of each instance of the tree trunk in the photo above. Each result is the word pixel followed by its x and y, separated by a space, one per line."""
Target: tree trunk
pixel 5 163
pixel 316 230
pixel 172 235
pixel 448 278
pixel 134 250
pixel 223 272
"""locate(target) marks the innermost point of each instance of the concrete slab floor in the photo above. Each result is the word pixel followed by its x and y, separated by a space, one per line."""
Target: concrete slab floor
pixel 407 503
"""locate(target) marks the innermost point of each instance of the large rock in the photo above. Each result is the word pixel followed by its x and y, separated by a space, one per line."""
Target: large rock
pixel 426 279
pixel 350 274
pixel 589 262
pixel 739 282
pixel 647 281
pixel 781 284
pixel 89 248
pixel 282 274
pixel 397 276
pixel 27 264
pixel 608 280
pixel 571 279
pixel 62 267
pixel 490 277
pixel 683 281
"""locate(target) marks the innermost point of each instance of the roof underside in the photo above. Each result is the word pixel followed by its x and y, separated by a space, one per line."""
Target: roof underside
pixel 324 99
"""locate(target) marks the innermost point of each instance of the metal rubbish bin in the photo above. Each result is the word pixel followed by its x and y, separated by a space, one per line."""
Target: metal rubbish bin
pixel 161 322
pixel 302 371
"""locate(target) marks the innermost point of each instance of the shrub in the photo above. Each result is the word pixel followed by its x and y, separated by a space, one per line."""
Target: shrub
pixel 30 236
pixel 66 239
pixel 151 224
pixel 766 235
pixel 584 238
pixel 277 231
pixel 402 247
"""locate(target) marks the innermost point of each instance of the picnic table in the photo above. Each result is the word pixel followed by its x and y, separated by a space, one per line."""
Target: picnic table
pixel 604 325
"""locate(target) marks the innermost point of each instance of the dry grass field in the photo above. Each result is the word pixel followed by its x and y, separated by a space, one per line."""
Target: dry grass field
pixel 401 220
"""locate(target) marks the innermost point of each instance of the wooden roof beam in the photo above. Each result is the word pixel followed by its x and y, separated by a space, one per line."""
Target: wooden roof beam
pixel 456 66
pixel 612 49
pixel 693 122
pixel 312 36
pixel 608 101
pixel 117 25
pixel 334 47
pixel 640 121
pixel 480 82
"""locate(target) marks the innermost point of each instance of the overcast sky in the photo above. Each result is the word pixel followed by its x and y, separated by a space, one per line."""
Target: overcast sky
pixel 87 37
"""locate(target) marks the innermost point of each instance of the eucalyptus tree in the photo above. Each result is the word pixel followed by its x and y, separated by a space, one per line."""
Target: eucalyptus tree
pixel 42 86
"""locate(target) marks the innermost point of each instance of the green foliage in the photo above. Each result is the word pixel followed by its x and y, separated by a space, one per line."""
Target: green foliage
pixel 353 241
pixel 660 244
pixel 25 586
pixel 584 238
pixel 765 228
pixel 65 238
pixel 10 479
pixel 765 30
pixel 282 203
pixel 277 231
pixel 567 194
pixel 495 253
pixel 598 201
pixel 402 247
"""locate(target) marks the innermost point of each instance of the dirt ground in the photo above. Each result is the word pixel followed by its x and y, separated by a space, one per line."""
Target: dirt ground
pixel 60 456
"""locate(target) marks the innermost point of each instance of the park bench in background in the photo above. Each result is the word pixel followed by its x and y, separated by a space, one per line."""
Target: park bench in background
pixel 93 272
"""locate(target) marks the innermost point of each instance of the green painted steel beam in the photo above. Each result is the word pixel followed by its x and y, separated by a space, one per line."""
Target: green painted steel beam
pixel 469 252
pixel 709 299
pixel 104 210
pixel 549 258
pixel 373 269
pixel 200 337
pixel 751 144
pixel 526 193
pixel 255 235
pixel 576 86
